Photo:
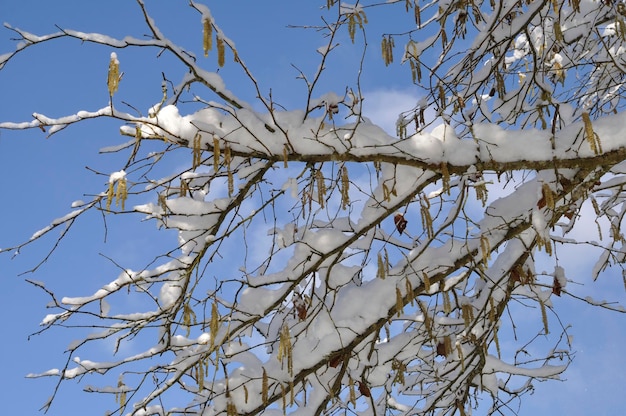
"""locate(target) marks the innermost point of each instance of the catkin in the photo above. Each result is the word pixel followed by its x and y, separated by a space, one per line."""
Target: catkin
pixel 264 387
pixel 426 281
pixel 485 248
pixel 380 272
pixel 321 187
pixel 216 154
pixel 229 172
pixel 207 36
pixel 214 323
pixel 197 150
pixel 399 302
pixel 220 51
pixel 113 76
pixel 445 177
pixel 590 135
pixel 352 391
pixel 544 317
pixel 345 187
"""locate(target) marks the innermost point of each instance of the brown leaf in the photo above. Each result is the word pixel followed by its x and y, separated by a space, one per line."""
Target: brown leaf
pixel 441 349
pixel 541 203
pixel 400 222
pixel 335 360
pixel 515 275
pixel 364 390
pixel 301 307
pixel 556 287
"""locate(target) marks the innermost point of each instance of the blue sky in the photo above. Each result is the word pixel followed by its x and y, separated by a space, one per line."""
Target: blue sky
pixel 41 177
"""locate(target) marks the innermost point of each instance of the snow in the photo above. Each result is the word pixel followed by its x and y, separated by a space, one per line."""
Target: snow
pixel 318 273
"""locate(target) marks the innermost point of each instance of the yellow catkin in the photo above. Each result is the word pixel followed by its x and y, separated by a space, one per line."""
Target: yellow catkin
pixel 137 132
pixel 380 272
pixel 399 367
pixel 459 351
pixel 197 150
pixel 231 409
pixel 428 324
pixel 427 221
pixel 231 181
pixel 221 53
pixel 426 281
pixel 200 373
pixel 120 396
pixel 264 387
pixel 445 177
pixel 442 96
pixel 352 391
pixel 189 318
pixel 409 291
pixel 386 193
pixel 492 310
pixel 184 188
pixel 216 153
pixel 283 396
pixel 321 187
pixel 214 323
pixel 113 76
pixel 485 248
pixel 285 157
pixel 447 306
pixel 345 187
pixel 399 302
pixel 481 192
pixel 121 193
pixel 558 32
pixel 548 195
pixel 497 341
pixel 468 314
pixel 207 36
pixel 590 135
pixel 596 207
pixel 544 317
pixel 387 46
pixel 387 266
pixel 284 348
pixel 110 194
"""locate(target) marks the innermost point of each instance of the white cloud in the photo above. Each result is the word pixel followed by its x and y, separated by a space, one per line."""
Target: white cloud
pixel 384 106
